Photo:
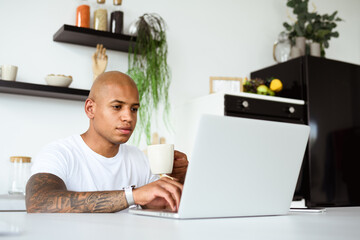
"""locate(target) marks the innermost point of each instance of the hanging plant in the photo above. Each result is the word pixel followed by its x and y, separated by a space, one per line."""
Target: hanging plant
pixel 149 69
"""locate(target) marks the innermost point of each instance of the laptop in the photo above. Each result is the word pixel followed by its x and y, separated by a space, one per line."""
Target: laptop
pixel 240 167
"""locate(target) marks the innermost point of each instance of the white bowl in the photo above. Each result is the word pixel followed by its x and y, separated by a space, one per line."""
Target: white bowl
pixel 58 80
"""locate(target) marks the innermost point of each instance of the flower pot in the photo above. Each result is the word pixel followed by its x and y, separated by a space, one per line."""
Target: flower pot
pixel 295 52
pixel 315 49
pixel 300 44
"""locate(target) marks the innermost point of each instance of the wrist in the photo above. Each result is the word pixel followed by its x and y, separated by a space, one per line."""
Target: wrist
pixel 129 195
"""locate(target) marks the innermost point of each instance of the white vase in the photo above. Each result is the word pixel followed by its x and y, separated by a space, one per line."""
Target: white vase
pixel 300 44
pixel 315 49
pixel 295 52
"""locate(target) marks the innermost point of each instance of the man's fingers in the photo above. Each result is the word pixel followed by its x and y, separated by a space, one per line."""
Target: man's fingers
pixel 168 180
pixel 180 163
pixel 174 190
pixel 179 155
pixel 168 197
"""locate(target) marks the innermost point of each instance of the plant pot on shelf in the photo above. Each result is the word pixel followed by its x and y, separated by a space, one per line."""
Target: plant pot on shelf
pixel 315 49
pixel 300 43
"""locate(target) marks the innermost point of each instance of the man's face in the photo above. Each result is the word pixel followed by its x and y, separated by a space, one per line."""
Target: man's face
pixel 116 113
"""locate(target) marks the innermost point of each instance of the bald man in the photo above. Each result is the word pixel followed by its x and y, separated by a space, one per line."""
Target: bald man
pixel 96 171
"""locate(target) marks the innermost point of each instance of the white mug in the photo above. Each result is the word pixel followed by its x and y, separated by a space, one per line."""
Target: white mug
pixel 8 72
pixel 161 158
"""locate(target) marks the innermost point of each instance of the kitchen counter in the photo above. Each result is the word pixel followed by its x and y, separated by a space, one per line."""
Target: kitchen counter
pixel 335 223
pixel 12 203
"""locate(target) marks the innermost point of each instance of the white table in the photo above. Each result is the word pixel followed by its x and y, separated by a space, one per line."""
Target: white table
pixel 12 202
pixel 335 223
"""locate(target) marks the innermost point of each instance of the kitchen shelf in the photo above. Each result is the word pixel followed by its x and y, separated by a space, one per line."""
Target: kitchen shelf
pixel 39 90
pixel 91 37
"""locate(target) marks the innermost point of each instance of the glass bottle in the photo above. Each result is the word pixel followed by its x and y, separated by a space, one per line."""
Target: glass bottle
pixel 117 18
pixel 83 14
pixel 19 174
pixel 100 16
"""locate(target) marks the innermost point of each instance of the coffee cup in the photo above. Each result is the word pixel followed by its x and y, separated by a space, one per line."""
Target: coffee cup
pixel 8 72
pixel 161 158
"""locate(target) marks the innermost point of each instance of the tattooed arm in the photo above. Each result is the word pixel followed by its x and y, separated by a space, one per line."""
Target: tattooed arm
pixel 46 192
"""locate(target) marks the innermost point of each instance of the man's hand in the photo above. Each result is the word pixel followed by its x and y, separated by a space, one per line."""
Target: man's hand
pixel 163 193
pixel 180 166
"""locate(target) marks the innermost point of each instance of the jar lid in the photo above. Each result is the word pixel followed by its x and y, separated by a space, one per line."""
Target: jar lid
pixel 100 1
pixel 20 159
pixel 117 2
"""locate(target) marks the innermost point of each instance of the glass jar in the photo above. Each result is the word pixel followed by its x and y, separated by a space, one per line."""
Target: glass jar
pixel 100 16
pixel 19 174
pixel 117 18
pixel 83 15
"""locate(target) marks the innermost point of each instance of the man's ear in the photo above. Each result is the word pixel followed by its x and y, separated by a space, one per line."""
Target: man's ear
pixel 90 108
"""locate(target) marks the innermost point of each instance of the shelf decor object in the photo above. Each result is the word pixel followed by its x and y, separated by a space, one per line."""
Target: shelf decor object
pixel 226 84
pixel 90 37
pixel 39 90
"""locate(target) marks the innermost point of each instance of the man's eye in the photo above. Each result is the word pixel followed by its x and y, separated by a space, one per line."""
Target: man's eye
pixel 117 107
pixel 134 109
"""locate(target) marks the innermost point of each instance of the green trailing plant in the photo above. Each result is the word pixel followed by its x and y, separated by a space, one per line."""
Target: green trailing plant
pixel 149 69
pixel 312 26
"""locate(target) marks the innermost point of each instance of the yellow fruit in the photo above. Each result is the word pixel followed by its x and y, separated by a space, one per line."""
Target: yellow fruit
pixel 276 85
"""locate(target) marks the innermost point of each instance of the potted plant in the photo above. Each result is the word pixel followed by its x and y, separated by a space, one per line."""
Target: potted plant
pixel 311 26
pixel 149 69
pixel 320 30
pixel 297 31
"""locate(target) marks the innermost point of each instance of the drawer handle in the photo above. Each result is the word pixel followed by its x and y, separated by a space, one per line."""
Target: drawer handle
pixel 291 109
pixel 245 104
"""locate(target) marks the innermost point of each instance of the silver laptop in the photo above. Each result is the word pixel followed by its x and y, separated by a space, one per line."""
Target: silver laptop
pixel 240 167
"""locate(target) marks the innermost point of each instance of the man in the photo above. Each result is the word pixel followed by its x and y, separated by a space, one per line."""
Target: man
pixel 87 173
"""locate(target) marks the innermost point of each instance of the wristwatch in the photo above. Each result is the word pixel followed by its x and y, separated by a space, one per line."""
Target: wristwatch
pixel 129 195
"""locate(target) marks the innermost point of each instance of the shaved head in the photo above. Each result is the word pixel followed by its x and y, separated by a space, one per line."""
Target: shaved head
pixel 105 81
pixel 112 108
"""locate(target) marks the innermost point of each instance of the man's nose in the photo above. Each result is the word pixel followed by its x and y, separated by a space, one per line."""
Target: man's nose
pixel 126 115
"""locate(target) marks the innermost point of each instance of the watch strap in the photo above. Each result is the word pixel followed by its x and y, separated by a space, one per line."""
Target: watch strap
pixel 129 195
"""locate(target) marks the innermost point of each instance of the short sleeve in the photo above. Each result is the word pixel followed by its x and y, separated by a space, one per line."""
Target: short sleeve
pixel 51 159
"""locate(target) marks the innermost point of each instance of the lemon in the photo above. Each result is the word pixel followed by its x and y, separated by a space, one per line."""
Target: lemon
pixel 276 85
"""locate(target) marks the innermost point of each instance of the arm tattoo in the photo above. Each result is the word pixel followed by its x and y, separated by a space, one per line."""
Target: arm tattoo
pixel 47 193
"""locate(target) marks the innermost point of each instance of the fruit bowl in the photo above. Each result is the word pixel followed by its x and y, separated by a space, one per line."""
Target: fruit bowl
pixel 58 80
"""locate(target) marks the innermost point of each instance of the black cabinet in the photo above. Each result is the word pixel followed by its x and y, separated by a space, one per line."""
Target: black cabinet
pixel 330 175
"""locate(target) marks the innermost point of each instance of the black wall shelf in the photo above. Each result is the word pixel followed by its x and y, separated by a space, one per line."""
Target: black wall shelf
pixel 91 37
pixel 39 90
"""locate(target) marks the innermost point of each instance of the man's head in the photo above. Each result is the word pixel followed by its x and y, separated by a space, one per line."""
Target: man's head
pixel 112 107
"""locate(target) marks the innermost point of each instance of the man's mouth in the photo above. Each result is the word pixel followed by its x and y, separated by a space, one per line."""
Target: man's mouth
pixel 125 131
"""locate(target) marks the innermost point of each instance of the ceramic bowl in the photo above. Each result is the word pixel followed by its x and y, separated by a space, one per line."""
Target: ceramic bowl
pixel 58 80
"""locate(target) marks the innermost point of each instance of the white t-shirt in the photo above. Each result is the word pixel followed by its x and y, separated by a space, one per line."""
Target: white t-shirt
pixel 82 169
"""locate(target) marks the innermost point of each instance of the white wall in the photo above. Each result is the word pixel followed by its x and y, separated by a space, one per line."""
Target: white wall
pixel 206 38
